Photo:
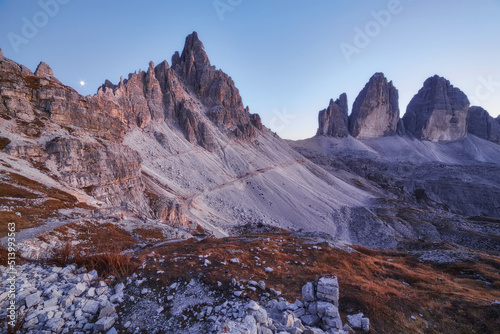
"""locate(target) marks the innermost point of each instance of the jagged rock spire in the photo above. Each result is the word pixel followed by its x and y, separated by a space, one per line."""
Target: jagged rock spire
pixel 375 112
pixel 333 121
pixel 43 70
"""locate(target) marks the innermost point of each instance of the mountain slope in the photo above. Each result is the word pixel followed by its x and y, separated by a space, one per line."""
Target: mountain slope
pixel 172 143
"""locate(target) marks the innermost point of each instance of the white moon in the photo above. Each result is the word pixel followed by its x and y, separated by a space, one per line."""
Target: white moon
pixel 82 83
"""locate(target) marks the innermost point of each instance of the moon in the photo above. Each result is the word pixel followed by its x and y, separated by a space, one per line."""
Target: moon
pixel 82 83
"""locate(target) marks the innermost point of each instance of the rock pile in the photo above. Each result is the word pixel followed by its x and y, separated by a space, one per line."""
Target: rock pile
pixel 72 300
pixel 63 300
pixel 316 313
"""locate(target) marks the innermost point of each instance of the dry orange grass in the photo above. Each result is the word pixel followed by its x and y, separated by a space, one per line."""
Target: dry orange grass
pixel 111 262
pixel 21 193
pixel 449 300
pixel 95 237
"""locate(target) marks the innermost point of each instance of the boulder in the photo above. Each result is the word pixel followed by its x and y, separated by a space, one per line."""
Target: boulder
pixel 43 70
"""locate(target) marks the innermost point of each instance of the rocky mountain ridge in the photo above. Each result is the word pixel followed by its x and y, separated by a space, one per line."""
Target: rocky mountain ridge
pixel 175 144
pixel 439 112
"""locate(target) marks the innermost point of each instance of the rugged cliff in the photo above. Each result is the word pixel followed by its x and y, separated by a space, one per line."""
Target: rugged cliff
pixel 438 112
pixel 375 112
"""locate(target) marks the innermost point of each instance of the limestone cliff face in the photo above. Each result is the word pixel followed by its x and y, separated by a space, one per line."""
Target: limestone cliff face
pixel 333 121
pixel 74 138
pixel 375 112
pixel 173 94
pixel 438 112
pixel 481 124
pixel 80 140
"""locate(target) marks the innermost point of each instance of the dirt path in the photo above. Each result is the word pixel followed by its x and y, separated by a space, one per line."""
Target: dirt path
pixel 218 232
pixel 33 232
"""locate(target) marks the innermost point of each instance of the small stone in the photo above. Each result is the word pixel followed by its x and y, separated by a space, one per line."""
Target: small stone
pixel 54 324
pixel 252 305
pixel 91 306
pixel 355 320
pixel 235 260
pixel 112 331
pixel 308 292
pixel 365 324
pixel 32 299
pixel 104 324
pixel 107 311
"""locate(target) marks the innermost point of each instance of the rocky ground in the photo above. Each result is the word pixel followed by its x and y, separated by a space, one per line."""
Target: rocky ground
pixel 263 282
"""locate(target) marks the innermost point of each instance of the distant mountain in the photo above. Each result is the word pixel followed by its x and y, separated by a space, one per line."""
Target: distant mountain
pixel 430 176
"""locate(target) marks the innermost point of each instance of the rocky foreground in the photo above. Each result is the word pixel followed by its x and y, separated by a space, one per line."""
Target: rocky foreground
pixel 70 300
pixel 263 283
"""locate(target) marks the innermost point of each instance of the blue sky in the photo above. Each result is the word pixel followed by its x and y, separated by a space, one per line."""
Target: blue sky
pixel 287 57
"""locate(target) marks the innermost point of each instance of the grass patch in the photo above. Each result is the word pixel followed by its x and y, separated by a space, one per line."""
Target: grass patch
pixel 144 233
pixel 450 298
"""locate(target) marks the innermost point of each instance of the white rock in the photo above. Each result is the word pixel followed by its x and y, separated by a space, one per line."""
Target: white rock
pixel 91 306
pixel 32 299
pixel 107 311
pixel 54 324
pixel 355 320
pixel 234 260
pixel 104 324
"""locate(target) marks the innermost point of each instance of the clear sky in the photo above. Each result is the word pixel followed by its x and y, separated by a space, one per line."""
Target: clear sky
pixel 287 57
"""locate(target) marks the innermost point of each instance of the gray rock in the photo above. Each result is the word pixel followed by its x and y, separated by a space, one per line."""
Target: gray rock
pixel 333 121
pixel 104 324
pixel 32 300
pixel 375 112
pixel 310 319
pixel 66 301
pixel 481 124
pixel 438 112
pixel 91 306
pixel 44 71
pixel 107 311
pixel 112 331
pixel 308 292
pixel 355 320
pixel 78 289
pixel 49 304
pixel 365 324
pixel 54 324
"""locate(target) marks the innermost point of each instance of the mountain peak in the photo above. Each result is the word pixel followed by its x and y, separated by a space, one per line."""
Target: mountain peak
pixel 333 120
pixel 43 70
pixel 438 112
pixel 193 53
pixel 375 112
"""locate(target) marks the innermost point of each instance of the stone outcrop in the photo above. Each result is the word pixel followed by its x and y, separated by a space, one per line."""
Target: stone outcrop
pixel 43 70
pixel 333 121
pixel 481 124
pixel 375 112
pixel 108 171
pixel 438 112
